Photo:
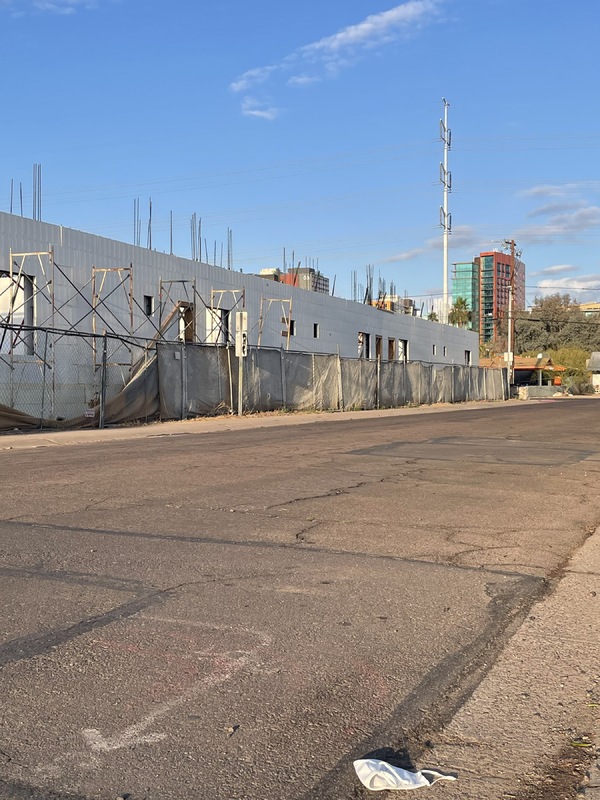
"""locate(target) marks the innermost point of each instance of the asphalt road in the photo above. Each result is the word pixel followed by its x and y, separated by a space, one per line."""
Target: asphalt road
pixel 240 614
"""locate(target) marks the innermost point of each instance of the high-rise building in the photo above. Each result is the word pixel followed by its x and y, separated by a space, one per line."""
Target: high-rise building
pixel 484 283
pixel 465 284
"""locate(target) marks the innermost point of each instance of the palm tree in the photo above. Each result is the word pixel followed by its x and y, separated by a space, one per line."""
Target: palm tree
pixel 432 316
pixel 460 314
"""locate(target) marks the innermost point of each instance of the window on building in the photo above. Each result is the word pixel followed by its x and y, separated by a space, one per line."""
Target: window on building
pixel 403 350
pixel 148 305
pixel 186 321
pixel 364 345
pixel 17 307
pixel 445 352
pixel 218 326
pixel 468 358
pixel 434 349
pixel 315 330
pixel 292 327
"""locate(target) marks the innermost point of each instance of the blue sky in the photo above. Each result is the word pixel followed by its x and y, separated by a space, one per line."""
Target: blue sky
pixel 314 127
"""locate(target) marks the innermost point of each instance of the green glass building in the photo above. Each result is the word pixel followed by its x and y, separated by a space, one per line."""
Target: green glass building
pixel 465 284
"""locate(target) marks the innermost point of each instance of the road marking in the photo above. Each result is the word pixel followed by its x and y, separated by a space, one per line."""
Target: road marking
pixel 136 734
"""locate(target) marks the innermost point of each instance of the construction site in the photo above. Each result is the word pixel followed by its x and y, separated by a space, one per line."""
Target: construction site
pixel 94 331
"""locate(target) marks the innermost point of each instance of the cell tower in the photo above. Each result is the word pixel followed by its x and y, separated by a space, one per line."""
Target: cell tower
pixel 445 216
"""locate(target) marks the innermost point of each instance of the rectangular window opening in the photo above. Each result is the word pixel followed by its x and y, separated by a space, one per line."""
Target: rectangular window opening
pixel 403 350
pixel 315 330
pixel 17 308
pixel 364 345
pixel 148 305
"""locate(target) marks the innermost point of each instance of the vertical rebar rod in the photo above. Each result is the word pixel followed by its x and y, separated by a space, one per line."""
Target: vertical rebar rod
pixel 103 380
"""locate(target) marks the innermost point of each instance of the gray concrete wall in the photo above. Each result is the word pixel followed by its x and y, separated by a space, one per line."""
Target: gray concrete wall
pixel 339 321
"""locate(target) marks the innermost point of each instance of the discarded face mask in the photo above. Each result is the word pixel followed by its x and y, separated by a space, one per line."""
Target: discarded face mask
pixel 379 776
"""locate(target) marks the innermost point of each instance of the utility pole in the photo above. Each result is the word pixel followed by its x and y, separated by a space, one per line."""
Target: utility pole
pixel 511 325
pixel 511 328
pixel 445 216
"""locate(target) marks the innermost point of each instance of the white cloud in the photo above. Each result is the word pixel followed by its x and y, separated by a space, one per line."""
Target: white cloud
pixel 303 80
pixel 563 224
pixel 330 55
pixel 19 8
pixel 554 208
pixel 557 269
pixel 551 190
pixel 462 236
pixel 571 191
pixel 252 77
pixel 251 107
pixel 374 30
pixel 585 283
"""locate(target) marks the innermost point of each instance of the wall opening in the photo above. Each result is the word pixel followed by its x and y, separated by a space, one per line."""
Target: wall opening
pixel 17 307
pixel 403 350
pixel 391 349
pixel 364 345
pixel 148 305
pixel 218 325
pixel 186 321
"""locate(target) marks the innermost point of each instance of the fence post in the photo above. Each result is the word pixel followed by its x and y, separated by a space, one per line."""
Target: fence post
pixel 314 387
pixel 378 385
pixel 283 388
pixel 340 382
pixel 230 376
pixel 103 380
pixel 240 402
pixel 183 414
pixel 44 380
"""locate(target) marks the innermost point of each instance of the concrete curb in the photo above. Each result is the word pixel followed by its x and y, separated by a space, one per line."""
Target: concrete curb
pixel 32 439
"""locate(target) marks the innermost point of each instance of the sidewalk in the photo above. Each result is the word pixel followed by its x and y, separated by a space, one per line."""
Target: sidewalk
pixel 526 730
pixel 32 439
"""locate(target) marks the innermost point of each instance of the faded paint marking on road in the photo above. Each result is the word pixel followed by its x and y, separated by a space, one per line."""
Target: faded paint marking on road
pixel 232 662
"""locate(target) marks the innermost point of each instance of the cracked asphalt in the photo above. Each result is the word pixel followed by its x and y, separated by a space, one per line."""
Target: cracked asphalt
pixel 240 613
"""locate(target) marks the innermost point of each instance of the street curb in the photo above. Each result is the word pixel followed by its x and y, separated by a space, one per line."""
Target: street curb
pixel 24 440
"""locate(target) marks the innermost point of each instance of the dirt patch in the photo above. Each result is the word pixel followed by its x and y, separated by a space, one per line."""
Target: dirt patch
pixel 563 779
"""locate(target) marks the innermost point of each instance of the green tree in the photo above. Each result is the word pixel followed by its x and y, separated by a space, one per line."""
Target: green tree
pixel 432 316
pixel 576 376
pixel 460 314
pixel 555 322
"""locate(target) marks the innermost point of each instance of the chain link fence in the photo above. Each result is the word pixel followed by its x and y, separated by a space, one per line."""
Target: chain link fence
pixel 66 379
pixel 198 380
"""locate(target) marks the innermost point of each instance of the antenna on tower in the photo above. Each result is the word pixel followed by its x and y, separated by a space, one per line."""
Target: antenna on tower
pixel 445 216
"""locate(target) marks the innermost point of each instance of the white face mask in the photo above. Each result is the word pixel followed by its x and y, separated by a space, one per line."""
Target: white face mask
pixel 379 776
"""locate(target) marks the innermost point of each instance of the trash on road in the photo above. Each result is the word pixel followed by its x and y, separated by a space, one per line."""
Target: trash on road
pixel 379 776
